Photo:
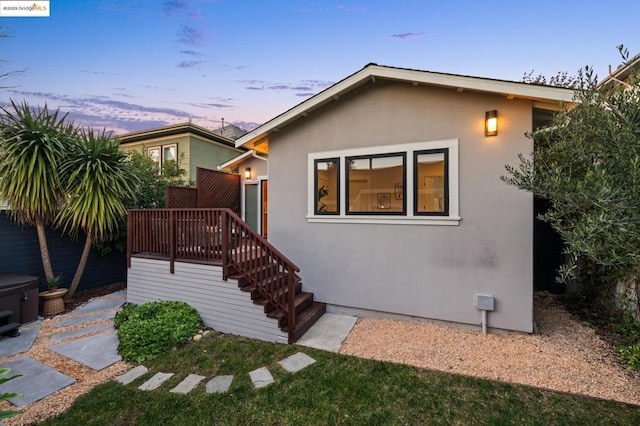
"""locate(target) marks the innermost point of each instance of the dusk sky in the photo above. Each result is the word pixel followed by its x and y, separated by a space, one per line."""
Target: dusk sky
pixel 134 65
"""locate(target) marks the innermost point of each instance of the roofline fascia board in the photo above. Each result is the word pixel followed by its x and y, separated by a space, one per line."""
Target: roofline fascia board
pixel 376 72
pixel 240 158
pixel 174 130
pixel 517 89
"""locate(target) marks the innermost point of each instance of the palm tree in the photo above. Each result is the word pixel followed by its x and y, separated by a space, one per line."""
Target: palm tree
pixel 99 181
pixel 32 142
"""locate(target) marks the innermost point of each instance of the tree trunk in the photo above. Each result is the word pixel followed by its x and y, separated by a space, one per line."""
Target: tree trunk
pixel 44 249
pixel 81 265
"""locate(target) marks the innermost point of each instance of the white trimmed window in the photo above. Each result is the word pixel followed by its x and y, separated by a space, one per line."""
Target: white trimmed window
pixel 413 183
pixel 162 154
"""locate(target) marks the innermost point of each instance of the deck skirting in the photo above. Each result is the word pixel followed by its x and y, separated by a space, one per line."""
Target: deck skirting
pixel 221 304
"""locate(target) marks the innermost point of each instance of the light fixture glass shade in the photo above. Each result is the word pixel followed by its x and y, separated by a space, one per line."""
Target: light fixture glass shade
pixel 491 123
pixel 247 173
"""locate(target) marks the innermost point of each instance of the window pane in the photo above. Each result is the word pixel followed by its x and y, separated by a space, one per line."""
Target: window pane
pixel 376 184
pixel 169 153
pixel 431 193
pixel 154 154
pixel 327 186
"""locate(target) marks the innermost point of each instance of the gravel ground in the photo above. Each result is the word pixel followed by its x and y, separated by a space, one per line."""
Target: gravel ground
pixel 566 355
pixel 86 378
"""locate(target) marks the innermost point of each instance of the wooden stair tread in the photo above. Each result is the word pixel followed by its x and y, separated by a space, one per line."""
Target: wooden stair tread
pixel 302 300
pixel 5 314
pixel 306 319
pixel 10 329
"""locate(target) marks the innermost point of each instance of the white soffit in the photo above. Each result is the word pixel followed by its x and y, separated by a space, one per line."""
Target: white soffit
pixel 239 159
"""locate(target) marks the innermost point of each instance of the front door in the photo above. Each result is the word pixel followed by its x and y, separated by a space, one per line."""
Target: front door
pixel 251 206
pixel 265 207
pixel 256 205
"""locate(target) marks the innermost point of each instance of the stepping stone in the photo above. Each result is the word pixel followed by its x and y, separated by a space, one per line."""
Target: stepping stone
pixel 122 294
pixel 155 382
pixel 219 384
pixel 38 381
pixel 99 305
pixel 132 375
pixel 187 385
pixel 14 345
pixel 261 377
pixel 80 332
pixel 296 362
pixel 87 318
pixel 96 352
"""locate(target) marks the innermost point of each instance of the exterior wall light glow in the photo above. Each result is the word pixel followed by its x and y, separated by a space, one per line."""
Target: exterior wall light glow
pixel 491 123
pixel 247 173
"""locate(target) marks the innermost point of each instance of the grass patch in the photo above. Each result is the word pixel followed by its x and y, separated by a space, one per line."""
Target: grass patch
pixel 337 389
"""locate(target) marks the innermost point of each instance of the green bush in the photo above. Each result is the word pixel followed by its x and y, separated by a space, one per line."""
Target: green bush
pixel 631 355
pixel 148 330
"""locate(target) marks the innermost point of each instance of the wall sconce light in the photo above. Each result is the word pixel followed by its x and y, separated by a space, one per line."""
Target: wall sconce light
pixel 247 173
pixel 491 123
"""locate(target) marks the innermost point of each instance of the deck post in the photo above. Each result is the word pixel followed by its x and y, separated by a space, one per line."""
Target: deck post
pixel 129 238
pixel 225 244
pixel 172 241
pixel 291 308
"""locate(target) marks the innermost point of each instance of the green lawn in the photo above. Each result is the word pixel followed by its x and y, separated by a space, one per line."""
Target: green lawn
pixel 337 389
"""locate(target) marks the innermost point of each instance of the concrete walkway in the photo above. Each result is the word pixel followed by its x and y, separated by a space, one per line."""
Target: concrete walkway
pixel 97 351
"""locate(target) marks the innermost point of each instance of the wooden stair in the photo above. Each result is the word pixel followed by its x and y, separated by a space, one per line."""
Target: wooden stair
pixel 307 311
pixel 8 328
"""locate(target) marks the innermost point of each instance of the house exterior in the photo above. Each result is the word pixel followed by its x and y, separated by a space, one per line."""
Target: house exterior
pixel 385 190
pixel 254 188
pixel 191 145
pixel 623 72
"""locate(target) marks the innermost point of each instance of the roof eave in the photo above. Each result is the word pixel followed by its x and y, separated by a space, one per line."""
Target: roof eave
pixel 239 159
pixel 508 89
pixel 175 129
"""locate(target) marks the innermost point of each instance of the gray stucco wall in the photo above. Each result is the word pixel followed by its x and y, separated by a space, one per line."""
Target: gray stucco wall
pixel 426 271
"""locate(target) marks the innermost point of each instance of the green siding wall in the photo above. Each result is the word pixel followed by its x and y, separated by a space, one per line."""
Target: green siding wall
pixel 209 156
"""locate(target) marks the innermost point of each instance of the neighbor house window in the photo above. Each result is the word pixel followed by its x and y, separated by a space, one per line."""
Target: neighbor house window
pixel 169 152
pixel 430 171
pixel 412 183
pixel 327 186
pixel 155 155
pixel 372 182
pixel 160 155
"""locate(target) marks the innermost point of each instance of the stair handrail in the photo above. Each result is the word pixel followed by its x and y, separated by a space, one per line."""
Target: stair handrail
pixel 230 219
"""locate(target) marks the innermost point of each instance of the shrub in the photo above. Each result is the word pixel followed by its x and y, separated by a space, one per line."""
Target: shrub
pixel 148 330
pixel 631 355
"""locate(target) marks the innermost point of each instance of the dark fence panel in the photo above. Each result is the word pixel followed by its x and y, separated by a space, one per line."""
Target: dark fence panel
pixel 20 253
pixel 180 197
pixel 218 190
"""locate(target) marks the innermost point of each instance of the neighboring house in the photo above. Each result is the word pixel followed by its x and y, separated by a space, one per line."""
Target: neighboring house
pixel 191 145
pixel 623 72
pixel 385 190
pixel 230 131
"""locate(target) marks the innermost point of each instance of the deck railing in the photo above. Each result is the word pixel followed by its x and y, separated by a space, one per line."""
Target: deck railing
pixel 216 236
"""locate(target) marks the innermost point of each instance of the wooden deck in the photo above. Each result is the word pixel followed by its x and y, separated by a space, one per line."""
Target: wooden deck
pixel 164 245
